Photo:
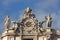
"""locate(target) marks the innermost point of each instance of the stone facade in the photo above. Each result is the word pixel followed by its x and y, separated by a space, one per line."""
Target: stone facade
pixel 28 28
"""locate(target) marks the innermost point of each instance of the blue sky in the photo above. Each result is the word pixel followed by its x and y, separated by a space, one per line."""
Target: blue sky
pixel 41 8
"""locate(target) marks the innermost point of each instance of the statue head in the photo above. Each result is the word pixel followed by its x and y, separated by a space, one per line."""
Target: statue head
pixel 40 24
pixel 28 10
pixel 49 15
pixel 7 17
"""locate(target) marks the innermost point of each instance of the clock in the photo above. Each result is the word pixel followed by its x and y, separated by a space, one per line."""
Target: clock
pixel 29 25
pixel 29 22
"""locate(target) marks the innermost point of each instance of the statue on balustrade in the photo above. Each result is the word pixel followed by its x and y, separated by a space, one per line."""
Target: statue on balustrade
pixel 7 22
pixel 48 20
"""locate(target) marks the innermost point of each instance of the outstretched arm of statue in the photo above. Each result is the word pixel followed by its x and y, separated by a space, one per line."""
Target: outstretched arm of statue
pixel 43 22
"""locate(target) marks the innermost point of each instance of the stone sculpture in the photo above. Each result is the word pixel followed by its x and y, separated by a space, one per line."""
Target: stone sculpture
pixel 7 22
pixel 48 20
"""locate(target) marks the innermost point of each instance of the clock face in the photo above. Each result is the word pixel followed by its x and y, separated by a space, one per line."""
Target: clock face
pixel 29 22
